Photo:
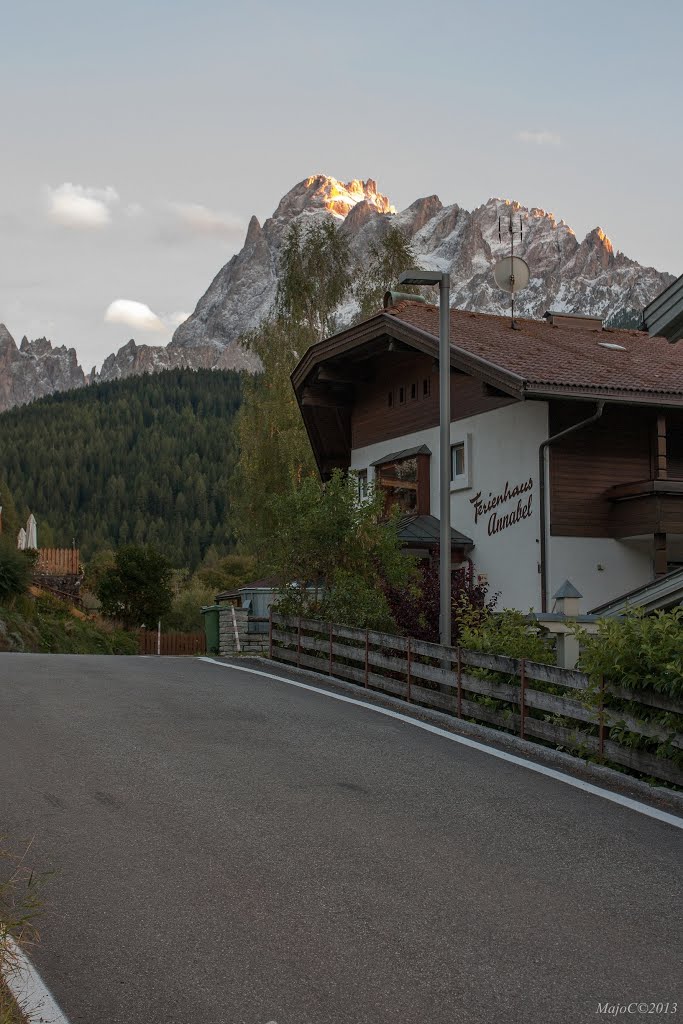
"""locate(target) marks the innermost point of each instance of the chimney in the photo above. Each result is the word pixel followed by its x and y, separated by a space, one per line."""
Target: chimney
pixel 576 320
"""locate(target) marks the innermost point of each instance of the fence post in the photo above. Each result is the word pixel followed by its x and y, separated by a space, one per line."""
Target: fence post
pixel 159 637
pixel 329 670
pixel 298 645
pixel 366 657
pixel 459 682
pixel 601 718
pixel 522 693
pixel 409 672
pixel 270 632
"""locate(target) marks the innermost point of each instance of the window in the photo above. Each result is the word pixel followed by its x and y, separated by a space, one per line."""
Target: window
pixel 362 475
pixel 390 399
pixel 401 395
pixel 398 481
pixel 426 387
pixel 413 390
pixel 461 464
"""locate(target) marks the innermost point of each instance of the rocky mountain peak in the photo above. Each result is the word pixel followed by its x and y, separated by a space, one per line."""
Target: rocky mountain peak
pixel 589 277
pixel 35 369
pixel 254 232
pixel 7 342
pixel 321 193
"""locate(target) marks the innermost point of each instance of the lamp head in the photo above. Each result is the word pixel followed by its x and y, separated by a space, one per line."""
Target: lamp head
pixel 422 277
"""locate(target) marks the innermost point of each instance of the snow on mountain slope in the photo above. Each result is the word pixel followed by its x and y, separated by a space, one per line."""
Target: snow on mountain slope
pixel 583 277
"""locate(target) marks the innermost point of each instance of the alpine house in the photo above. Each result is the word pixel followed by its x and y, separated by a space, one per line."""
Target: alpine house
pixel 566 442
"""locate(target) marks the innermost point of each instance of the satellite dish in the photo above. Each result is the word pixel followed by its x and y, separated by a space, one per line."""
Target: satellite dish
pixel 511 274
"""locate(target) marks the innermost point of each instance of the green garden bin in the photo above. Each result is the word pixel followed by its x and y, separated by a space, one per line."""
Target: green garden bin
pixel 210 614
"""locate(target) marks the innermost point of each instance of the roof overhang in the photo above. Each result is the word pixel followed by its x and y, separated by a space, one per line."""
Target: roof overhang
pixel 371 337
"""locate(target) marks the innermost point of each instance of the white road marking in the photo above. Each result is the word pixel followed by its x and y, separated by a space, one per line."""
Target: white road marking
pixel 568 780
pixel 30 991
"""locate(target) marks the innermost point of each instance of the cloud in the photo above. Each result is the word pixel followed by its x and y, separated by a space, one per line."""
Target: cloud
pixel 194 218
pixel 140 316
pixel 175 319
pixel 540 138
pixel 78 206
pixel 133 314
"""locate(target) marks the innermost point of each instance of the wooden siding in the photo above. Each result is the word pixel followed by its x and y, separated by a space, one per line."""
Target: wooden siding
pixel 618 449
pixel 674 444
pixel 373 419
pixel 647 513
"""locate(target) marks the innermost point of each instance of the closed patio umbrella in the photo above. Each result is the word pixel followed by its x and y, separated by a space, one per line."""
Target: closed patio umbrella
pixel 21 539
pixel 32 533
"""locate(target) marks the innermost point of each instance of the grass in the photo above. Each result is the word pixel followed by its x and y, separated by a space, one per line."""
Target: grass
pixel 47 625
pixel 9 1011
pixel 19 904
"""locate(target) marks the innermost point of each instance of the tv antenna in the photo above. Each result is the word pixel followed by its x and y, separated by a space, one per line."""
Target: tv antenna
pixel 511 273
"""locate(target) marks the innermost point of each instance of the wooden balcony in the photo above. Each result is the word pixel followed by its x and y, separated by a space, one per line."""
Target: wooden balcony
pixel 646 507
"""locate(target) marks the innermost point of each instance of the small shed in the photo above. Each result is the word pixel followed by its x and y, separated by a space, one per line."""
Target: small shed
pixel 256 597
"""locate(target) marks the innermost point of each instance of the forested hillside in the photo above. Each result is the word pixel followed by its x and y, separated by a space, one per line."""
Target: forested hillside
pixel 144 460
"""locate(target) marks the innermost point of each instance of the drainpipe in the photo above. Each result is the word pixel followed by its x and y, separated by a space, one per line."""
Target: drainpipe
pixel 541 488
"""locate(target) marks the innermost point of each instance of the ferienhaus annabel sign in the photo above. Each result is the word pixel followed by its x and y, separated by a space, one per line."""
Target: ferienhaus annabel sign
pixel 489 506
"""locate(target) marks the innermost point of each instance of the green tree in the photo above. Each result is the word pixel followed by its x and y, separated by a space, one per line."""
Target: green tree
pixel 315 277
pixel 275 453
pixel 333 554
pixel 10 518
pixel 138 459
pixel 626 319
pixel 15 570
pixel 386 260
pixel 137 588
pixel 226 573
pixel 96 567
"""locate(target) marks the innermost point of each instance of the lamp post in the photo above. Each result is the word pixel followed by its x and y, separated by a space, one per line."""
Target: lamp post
pixel 426 277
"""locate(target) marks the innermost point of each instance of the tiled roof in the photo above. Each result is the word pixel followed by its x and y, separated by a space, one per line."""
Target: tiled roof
pixel 548 356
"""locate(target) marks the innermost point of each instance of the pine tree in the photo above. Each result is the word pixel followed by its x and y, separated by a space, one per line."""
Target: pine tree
pixel 387 260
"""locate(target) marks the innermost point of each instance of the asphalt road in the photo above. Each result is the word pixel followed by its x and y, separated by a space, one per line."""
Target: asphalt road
pixel 233 850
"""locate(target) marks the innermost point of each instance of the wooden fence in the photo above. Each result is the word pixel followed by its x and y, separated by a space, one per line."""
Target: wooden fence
pixel 171 643
pixel 58 561
pixel 537 702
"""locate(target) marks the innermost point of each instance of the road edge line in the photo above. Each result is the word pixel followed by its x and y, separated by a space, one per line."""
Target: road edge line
pixel 31 994
pixel 552 773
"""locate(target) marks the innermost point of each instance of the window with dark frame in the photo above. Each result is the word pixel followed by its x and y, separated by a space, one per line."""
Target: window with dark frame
pixel 413 390
pixel 401 395
pixel 390 399
pixel 362 475
pixel 426 387
pixel 398 482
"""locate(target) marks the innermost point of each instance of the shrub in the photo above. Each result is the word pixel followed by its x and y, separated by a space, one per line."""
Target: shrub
pixel 638 651
pixel 416 608
pixel 331 553
pixel 15 571
pixel 185 614
pixel 509 634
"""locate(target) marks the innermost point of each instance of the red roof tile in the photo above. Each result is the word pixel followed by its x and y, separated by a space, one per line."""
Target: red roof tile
pixel 547 356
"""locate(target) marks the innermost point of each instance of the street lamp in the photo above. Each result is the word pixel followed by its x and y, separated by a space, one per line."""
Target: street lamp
pixel 426 277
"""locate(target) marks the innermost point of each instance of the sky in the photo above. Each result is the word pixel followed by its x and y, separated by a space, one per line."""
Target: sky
pixel 139 137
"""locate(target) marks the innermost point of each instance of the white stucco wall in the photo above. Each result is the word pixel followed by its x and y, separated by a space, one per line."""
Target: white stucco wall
pixel 504 448
pixel 599 568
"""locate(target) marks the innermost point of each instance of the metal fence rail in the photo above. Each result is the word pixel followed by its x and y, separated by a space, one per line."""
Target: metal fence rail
pixel 538 702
